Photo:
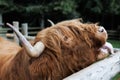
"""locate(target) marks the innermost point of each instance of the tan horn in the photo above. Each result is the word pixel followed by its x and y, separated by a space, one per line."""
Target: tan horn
pixel 33 51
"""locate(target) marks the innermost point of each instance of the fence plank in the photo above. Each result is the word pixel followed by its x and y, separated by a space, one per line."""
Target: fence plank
pixel 113 34
pixel 16 24
pixel 101 70
pixel 25 29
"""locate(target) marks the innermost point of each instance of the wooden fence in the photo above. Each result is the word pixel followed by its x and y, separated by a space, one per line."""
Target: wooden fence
pixel 29 33
pixel 32 31
pixel 102 70
pixel 114 34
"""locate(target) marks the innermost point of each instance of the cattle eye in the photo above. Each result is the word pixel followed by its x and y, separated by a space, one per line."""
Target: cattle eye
pixel 101 29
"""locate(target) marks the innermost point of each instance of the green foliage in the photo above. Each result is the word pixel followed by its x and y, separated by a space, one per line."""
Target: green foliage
pixel 115 43
pixel 4 5
pixel 100 6
pixel 34 9
pixel 114 7
pixel 116 77
pixel 95 6
pixel 66 6
pixel 39 7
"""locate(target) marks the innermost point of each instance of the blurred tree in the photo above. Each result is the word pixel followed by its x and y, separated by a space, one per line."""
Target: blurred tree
pixel 37 11
pixel 7 6
pixel 42 8
pixel 100 6
pixel 104 11
pixel 4 5
pixel 66 7
pixel 112 7
pixel 94 6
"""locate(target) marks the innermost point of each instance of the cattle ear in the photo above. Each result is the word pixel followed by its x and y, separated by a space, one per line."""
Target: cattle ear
pixel 97 23
pixel 80 19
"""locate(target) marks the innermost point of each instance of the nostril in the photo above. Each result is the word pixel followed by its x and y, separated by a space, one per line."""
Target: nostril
pixel 101 29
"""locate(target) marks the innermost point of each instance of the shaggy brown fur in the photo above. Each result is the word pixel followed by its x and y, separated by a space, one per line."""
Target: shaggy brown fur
pixel 70 47
pixel 8 51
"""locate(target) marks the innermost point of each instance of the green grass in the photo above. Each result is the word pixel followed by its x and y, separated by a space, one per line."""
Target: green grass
pixel 116 44
pixel 117 77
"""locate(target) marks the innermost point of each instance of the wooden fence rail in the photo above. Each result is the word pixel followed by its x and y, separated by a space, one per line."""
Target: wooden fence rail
pixel 101 70
pixel 114 34
pixel 24 31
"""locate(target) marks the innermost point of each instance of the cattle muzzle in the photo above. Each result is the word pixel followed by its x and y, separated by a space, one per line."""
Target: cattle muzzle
pixel 101 29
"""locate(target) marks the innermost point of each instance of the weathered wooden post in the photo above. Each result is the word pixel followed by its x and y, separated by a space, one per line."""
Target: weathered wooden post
pixel 16 24
pixel 119 31
pixel 0 18
pixel 25 29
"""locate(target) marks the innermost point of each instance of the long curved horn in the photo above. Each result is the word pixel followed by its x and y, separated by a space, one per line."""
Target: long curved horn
pixel 32 51
pixel 51 22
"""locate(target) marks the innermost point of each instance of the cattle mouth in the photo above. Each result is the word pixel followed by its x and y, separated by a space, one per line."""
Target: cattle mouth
pixel 106 50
